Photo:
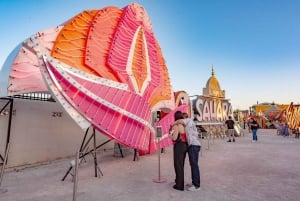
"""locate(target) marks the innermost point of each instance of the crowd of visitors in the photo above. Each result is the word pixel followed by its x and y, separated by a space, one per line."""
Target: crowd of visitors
pixel 284 130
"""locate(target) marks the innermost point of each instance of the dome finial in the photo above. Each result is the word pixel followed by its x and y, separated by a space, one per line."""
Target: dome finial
pixel 212 70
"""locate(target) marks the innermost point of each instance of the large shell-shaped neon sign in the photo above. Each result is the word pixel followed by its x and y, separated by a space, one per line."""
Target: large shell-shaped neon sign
pixel 106 69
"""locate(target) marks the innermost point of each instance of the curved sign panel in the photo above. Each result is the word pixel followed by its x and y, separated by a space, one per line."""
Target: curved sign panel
pixel 106 69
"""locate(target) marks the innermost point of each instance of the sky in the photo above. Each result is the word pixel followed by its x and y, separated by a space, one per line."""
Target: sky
pixel 253 45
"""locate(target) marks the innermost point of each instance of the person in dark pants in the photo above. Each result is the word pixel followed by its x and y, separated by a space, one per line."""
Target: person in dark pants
pixel 254 126
pixel 193 153
pixel 177 133
pixel 285 130
pixel 230 126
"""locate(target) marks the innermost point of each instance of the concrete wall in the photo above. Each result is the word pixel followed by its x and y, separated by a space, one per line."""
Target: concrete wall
pixel 41 132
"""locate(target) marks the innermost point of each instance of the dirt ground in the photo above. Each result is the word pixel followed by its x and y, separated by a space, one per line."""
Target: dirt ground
pixel 241 171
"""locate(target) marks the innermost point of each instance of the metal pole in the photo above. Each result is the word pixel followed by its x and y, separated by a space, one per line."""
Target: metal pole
pixel 85 135
pixel 4 105
pixel 159 151
pixel 95 154
pixel 75 177
pixel 201 150
pixel 4 163
pixel 10 101
pixel 159 179
pixel 9 122
pixel 208 138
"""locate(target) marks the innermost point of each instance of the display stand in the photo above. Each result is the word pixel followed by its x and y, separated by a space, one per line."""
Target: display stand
pixel 10 102
pixel 3 162
pixel 136 155
pixel 83 151
pixel 76 177
pixel 120 149
pixel 2 170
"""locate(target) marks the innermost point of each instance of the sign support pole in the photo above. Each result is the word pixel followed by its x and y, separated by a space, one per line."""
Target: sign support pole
pixel 158 136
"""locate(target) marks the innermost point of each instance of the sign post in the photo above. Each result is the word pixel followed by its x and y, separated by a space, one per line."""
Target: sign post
pixel 158 136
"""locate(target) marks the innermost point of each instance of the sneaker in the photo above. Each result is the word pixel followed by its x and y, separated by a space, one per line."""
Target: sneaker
pixel 193 188
pixel 189 185
pixel 229 141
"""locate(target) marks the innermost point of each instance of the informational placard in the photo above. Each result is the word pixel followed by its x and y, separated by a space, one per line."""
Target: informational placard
pixel 158 131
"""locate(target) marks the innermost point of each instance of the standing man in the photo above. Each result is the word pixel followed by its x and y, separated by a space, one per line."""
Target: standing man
pixel 230 126
pixel 254 126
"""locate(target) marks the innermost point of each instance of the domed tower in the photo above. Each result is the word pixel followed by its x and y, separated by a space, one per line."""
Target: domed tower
pixel 213 88
pixel 211 108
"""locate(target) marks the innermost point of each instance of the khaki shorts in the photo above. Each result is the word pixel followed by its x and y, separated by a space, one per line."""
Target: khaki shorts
pixel 230 132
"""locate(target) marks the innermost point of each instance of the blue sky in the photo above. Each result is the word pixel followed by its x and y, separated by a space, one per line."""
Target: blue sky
pixel 254 45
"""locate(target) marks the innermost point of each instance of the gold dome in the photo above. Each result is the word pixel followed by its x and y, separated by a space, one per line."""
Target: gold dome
pixel 213 87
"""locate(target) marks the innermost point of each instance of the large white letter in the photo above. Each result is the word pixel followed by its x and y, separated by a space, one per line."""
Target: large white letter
pixel 206 111
pixel 213 110
pixel 198 107
pixel 219 111
pixel 229 112
pixel 225 110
